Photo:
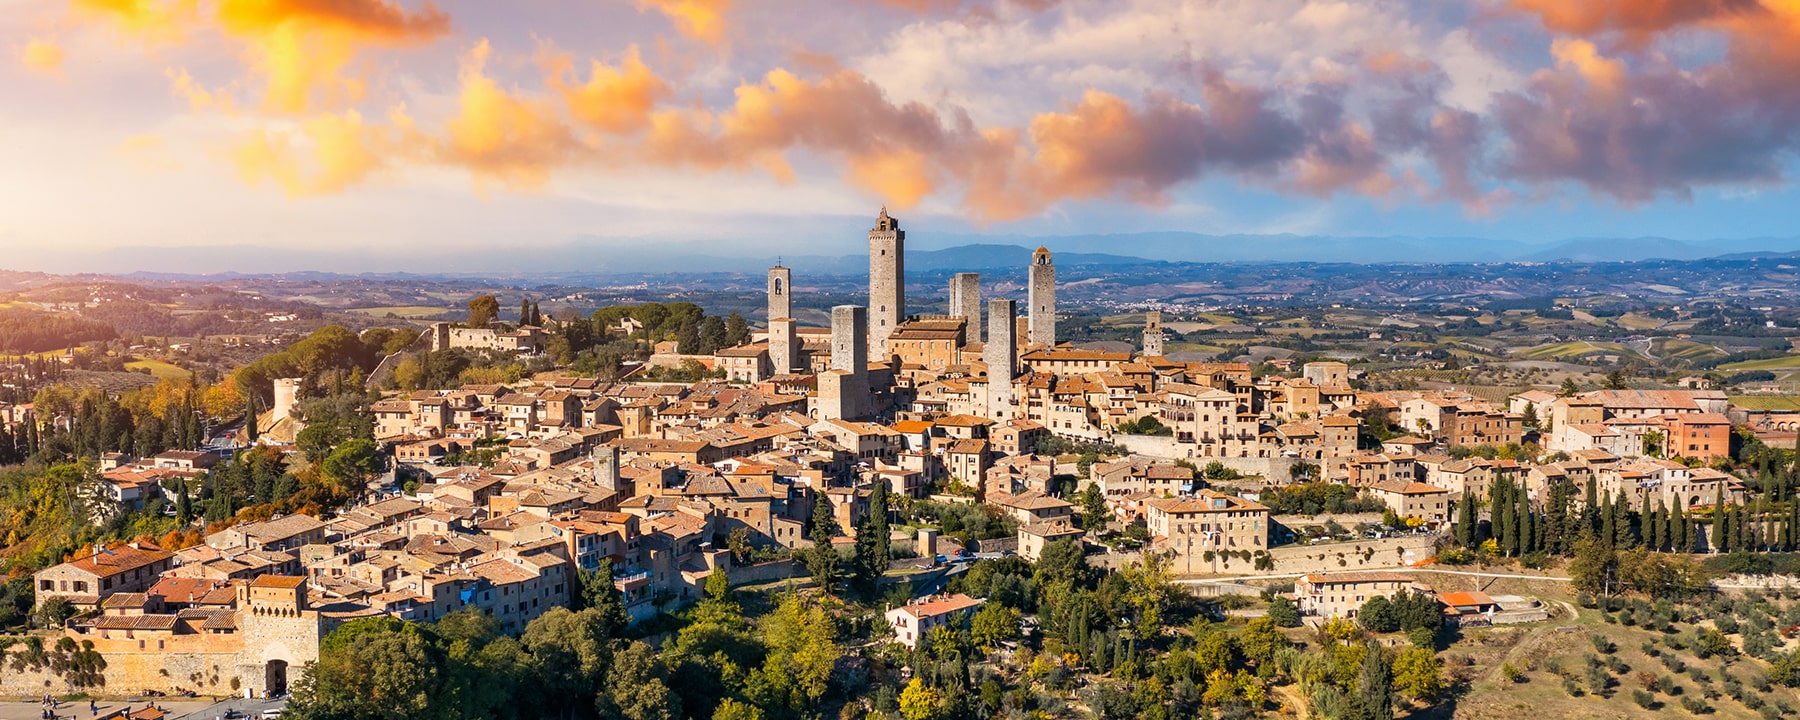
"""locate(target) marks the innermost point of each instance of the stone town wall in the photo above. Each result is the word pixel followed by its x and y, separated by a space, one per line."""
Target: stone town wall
pixel 1276 470
pixel 206 668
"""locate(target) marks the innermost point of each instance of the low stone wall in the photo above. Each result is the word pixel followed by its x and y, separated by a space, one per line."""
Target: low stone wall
pixel 1278 470
pixel 765 572
pixel 1380 554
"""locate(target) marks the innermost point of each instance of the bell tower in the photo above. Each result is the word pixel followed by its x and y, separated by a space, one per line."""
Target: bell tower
pixel 887 281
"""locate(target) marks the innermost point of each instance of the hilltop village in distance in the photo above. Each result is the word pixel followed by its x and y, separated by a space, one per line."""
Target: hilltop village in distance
pixel 801 501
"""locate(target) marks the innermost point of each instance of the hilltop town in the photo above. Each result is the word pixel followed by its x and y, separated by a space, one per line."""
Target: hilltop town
pixel 896 476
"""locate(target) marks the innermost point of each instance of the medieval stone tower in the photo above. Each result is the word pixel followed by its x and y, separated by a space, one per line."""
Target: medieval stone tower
pixel 965 302
pixel 1153 334
pixel 844 390
pixel 784 339
pixel 1043 299
pixel 781 302
pixel 887 281
pixel 1002 356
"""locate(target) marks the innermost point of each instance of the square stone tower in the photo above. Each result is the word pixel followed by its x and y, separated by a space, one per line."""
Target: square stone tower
pixel 1153 334
pixel 1043 299
pixel 887 281
pixel 965 302
pixel 781 304
pixel 784 339
pixel 844 389
pixel 1002 356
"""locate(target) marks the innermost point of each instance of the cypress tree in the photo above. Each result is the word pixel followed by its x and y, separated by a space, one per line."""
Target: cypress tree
pixel 1527 536
pixel 1645 518
pixel 1608 528
pixel 1622 523
pixel 1678 530
pixel 1591 511
pixel 1659 528
pixel 1719 536
pixel 1465 521
pixel 1498 515
pixel 524 312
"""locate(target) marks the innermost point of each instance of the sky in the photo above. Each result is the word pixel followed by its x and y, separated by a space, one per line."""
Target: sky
pixel 391 129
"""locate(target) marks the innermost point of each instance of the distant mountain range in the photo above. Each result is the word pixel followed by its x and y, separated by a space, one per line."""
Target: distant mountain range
pixel 591 257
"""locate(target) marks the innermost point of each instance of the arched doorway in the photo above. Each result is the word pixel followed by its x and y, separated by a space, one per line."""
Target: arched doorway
pixel 275 677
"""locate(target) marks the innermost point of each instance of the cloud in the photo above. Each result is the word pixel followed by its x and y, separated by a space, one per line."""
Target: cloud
pixel 44 56
pixel 502 136
pixel 302 51
pixel 323 155
pixel 617 100
pixel 1639 125
pixel 1637 20
pixel 700 19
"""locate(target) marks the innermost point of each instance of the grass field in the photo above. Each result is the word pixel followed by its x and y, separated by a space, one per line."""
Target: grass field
pixel 1686 350
pixel 1635 321
pixel 1574 349
pixel 405 311
pixel 1767 402
pixel 160 369
pixel 1789 361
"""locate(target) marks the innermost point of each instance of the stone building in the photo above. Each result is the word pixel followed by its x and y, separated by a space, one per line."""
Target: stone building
pixel 844 389
pixel 965 302
pixel 1153 334
pixel 1001 353
pixel 887 281
pixel 1042 299
pixel 1191 527
pixel 932 343
pixel 87 580
pixel 1327 595
pixel 784 340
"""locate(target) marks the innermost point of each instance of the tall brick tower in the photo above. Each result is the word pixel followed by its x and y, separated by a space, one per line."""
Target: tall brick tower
pixel 1153 334
pixel 784 341
pixel 887 281
pixel 965 302
pixel 1002 356
pixel 1043 299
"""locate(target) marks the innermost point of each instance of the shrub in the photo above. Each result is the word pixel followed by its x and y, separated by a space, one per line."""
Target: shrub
pixel 1604 644
pixel 1649 648
pixel 1727 624
pixel 1643 699
pixel 1695 705
pixel 1571 687
pixel 1511 673
pixel 1669 687
pixel 1616 665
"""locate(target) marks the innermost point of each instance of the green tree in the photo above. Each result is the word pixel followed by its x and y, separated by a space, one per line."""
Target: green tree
pixel 1720 521
pixel 712 335
pixel 1377 614
pixel 993 623
pixel 873 544
pixel 737 332
pixel 731 709
pixel 595 590
pixel 637 687
pixel 571 652
pixel 1374 685
pixel 1568 388
pixel 378 669
pixel 1094 514
pixel 1593 565
pixel 482 310
pixel 1615 380
pixel 1260 640
pixel 822 559
pixel 802 649
pixel 1284 612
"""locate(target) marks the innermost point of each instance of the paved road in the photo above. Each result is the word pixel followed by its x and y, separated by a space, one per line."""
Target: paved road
pixel 79 711
pixel 1284 576
pixel 250 708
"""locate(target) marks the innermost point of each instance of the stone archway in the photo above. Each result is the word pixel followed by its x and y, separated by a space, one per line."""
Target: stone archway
pixel 275 678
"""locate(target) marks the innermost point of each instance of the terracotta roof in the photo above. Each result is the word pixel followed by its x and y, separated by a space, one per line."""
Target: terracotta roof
pixel 278 581
pixel 113 561
pixel 940 605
